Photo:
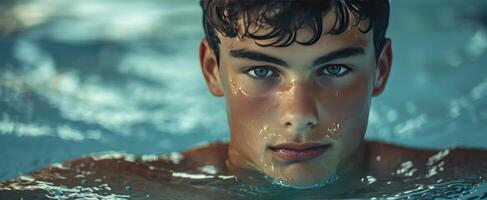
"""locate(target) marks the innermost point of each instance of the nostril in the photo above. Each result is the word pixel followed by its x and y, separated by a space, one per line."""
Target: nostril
pixel 309 124
pixel 299 122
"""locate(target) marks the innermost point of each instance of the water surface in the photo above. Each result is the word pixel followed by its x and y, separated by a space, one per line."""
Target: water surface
pixel 91 76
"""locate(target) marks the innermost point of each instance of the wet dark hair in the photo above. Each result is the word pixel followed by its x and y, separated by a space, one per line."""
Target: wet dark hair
pixel 285 17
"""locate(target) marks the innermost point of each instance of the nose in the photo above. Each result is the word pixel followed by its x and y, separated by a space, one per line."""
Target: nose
pixel 299 111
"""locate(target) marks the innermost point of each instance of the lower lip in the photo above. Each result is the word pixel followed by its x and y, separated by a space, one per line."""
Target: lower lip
pixel 299 155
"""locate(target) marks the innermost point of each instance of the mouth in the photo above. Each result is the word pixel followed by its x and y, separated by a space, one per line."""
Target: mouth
pixel 298 152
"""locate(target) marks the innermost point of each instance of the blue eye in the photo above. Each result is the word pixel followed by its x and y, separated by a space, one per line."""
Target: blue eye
pixel 260 72
pixel 334 70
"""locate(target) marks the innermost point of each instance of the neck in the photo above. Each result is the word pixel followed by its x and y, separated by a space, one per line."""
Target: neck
pixel 236 163
pixel 354 166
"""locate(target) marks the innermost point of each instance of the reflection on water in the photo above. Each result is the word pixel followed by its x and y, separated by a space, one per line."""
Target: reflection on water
pixel 143 177
pixel 88 76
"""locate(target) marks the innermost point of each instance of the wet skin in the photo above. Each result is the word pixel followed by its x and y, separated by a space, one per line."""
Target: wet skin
pixel 297 113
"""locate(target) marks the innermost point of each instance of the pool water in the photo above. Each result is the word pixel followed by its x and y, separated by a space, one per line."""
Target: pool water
pixel 93 76
pixel 142 177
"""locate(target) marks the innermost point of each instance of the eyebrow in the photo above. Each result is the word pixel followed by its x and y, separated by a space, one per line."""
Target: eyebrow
pixel 254 55
pixel 258 56
pixel 340 53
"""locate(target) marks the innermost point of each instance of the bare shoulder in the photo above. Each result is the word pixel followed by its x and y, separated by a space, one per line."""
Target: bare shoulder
pixel 113 172
pixel 389 159
pixel 152 166
pixel 214 154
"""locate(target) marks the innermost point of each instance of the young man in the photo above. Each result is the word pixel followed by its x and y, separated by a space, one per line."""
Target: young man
pixel 298 78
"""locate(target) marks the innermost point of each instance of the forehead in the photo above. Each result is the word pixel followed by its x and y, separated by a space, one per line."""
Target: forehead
pixel 352 36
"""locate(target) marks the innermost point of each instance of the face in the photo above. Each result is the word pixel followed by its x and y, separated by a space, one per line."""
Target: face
pixel 297 113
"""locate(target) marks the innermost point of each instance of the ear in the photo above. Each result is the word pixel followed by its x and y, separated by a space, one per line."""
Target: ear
pixel 210 69
pixel 384 63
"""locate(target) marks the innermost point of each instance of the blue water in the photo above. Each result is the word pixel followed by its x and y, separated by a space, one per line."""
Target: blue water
pixel 87 76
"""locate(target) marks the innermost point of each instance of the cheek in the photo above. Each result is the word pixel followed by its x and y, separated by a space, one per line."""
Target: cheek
pixel 345 100
pixel 249 103
pixel 246 109
pixel 343 107
pixel 249 116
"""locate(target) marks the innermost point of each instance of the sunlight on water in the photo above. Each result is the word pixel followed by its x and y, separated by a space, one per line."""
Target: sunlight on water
pixel 95 76
pixel 59 192
pixel 461 189
pixel 330 180
pixel 90 184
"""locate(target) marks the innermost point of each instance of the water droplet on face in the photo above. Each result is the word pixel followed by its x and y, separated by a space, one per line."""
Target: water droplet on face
pixel 334 128
pixel 279 93
pixel 264 129
pixel 262 160
pixel 241 90
pixel 233 86
pixel 293 84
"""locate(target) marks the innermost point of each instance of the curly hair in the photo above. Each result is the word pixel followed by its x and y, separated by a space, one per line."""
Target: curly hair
pixel 285 17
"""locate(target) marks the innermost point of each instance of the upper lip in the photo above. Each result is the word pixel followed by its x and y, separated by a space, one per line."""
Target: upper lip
pixel 298 146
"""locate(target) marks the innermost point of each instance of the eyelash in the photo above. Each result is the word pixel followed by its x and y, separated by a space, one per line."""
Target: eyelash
pixel 321 69
pixel 274 72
